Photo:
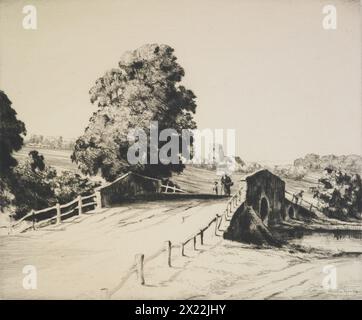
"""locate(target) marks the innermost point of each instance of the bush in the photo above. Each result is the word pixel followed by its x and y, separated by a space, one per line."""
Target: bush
pixel 34 185
pixel 290 172
pixel 68 185
pixel 32 189
pixel 340 194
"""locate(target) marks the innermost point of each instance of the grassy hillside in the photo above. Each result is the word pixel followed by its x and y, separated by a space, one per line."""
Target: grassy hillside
pixel 201 180
pixel 192 179
pixel 60 159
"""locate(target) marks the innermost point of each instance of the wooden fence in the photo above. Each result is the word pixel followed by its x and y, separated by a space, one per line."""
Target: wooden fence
pixel 140 260
pixel 166 188
pixel 299 200
pixel 59 212
pixel 55 214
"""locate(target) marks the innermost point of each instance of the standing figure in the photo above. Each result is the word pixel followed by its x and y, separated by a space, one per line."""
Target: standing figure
pixel 216 187
pixel 226 183
pixel 299 196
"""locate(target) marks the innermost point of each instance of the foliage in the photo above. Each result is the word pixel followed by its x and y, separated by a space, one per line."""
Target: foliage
pixel 68 185
pixel 11 131
pixel 144 88
pixel 36 161
pixel 350 163
pixel 290 172
pixel 34 185
pixel 340 194
pixel 250 167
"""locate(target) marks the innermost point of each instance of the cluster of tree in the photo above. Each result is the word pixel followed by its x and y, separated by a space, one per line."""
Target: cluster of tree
pixel 30 184
pixel 290 172
pixel 144 87
pixel 349 163
pixel 340 194
pixel 41 141
pixel 250 167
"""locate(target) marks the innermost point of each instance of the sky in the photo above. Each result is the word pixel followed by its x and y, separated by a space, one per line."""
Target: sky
pixel 265 68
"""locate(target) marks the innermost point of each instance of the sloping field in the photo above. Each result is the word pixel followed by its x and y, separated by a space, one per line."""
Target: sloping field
pixel 310 180
pixel 60 159
pixel 191 179
pixel 202 180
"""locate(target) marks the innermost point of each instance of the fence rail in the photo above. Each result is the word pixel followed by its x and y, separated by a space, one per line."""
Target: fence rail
pixel 56 213
pixel 300 201
pixel 174 189
pixel 140 260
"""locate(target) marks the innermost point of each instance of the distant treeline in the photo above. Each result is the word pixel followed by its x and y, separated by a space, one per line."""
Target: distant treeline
pixel 349 163
pixel 49 142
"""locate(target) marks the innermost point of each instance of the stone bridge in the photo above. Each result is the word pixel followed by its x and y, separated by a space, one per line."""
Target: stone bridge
pixel 266 194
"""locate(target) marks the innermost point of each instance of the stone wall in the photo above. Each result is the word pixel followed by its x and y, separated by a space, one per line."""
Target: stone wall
pixel 266 195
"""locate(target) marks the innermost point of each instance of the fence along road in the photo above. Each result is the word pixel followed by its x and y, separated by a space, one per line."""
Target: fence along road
pixel 60 212
pixel 221 219
pixel 75 260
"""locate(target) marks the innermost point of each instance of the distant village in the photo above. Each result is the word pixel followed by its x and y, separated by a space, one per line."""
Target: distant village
pixel 49 142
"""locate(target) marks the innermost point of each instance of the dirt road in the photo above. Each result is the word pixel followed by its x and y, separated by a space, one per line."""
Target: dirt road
pixel 83 255
pixel 223 269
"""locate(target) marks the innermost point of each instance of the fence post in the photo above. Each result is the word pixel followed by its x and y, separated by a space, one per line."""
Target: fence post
pixel 139 265
pixel 10 231
pixel 105 294
pixel 168 247
pixel 80 205
pixel 99 199
pixel 59 218
pixel 182 250
pixel 194 242
pixel 33 218
pixel 201 237
pixel 216 223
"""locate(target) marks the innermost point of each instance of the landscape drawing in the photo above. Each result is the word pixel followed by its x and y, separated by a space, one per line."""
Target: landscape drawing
pixel 207 150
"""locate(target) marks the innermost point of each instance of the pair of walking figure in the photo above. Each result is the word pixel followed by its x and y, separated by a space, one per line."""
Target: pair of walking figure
pixel 225 187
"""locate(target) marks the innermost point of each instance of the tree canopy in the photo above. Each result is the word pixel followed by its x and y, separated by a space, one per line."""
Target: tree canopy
pixel 144 88
pixel 11 131
pixel 340 194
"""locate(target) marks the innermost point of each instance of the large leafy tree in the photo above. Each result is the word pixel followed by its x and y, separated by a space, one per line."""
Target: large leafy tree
pixel 145 87
pixel 11 131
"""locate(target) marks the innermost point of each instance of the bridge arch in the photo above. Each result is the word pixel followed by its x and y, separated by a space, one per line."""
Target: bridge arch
pixel 264 208
pixel 291 212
